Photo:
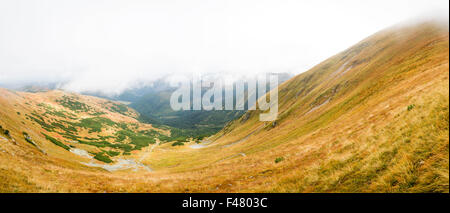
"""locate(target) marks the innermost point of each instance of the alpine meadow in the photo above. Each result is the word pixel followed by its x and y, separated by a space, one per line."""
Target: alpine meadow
pixel 372 118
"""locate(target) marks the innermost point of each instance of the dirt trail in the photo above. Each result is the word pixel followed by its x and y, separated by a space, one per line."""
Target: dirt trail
pixel 241 154
pixel 205 143
pixel 340 71
pixel 202 144
pixel 122 164
pixel 245 138
pixel 317 107
pixel 150 151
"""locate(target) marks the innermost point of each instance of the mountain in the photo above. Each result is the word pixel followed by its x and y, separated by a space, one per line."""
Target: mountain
pixel 153 104
pixel 373 118
pixel 61 124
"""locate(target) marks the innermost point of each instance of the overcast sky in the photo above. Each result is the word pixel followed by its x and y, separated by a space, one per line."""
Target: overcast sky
pixel 108 45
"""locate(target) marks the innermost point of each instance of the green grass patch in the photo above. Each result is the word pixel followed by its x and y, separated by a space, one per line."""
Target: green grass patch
pixel 137 139
pixel 101 157
pixel 56 142
pixel 178 143
pixel 112 153
pixel 72 104
pixel 95 124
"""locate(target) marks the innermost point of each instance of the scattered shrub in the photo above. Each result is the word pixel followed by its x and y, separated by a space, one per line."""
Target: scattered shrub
pixel 279 159
pixel 73 104
pixel 178 143
pixel 119 108
pixel 28 138
pixel 112 153
pixel 99 156
pixel 56 142
pixel 138 140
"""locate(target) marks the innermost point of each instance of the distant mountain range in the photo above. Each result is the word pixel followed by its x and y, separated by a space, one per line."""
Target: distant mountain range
pixel 153 104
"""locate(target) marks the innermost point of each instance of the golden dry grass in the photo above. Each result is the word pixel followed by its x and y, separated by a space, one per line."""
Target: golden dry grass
pixel 365 139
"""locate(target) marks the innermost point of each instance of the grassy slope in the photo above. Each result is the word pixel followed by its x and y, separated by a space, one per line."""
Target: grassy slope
pixel 383 128
pixel 364 138
pixel 51 126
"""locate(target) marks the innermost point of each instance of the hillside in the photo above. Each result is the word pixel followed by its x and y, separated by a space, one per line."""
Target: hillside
pixel 65 125
pixel 373 118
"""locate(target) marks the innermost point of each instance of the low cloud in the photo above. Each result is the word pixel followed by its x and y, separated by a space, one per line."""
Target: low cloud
pixel 110 46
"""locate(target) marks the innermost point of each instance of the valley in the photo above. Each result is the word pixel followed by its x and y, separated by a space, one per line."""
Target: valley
pixel 372 118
